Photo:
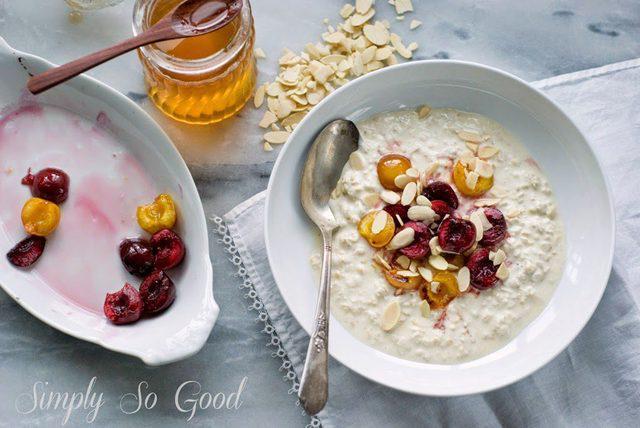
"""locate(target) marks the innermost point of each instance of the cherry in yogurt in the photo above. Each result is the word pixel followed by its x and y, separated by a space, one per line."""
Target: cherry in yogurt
pixel 456 235
pixel 27 252
pixel 51 184
pixel 482 270
pixel 498 231
pixel 157 292
pixel 419 249
pixel 137 256
pixel 441 191
pixel 124 306
pixel 168 249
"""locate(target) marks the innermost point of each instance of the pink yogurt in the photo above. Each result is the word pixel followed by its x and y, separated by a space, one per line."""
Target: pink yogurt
pixel 81 260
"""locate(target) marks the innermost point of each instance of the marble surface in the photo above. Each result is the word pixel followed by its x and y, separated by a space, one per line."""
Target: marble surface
pixel 534 40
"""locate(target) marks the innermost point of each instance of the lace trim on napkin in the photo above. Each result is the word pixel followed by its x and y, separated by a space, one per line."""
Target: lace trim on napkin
pixel 256 305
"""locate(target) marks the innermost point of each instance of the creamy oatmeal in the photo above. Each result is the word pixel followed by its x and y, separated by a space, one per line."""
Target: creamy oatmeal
pixel 459 250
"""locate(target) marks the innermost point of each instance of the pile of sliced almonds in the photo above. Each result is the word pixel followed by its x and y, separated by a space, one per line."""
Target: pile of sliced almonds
pixel 355 47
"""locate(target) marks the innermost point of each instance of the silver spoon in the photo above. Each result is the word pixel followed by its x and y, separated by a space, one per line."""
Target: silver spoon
pixel 325 161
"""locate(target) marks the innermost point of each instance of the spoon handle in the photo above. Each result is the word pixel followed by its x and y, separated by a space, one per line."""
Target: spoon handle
pixel 55 76
pixel 314 384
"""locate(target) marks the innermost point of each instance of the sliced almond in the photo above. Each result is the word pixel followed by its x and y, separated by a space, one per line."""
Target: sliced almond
pixel 404 262
pixel 435 287
pixel 424 111
pixel 379 222
pixel 396 42
pixel 276 137
pixel 464 279
pixel 258 99
pixel 400 222
pixel 486 151
pixel 413 266
pixel 425 273
pixel 434 246
pixel 383 53
pixel 473 147
pixel 470 136
pixel 409 193
pixel 381 261
pixel 402 239
pixel 425 309
pixel 423 200
pixel 414 24
pixel 498 257
pixel 471 179
pixel 356 161
pixel 486 202
pixel 438 262
pixel 390 315
pixel 483 168
pixel 503 272
pixel 347 10
pixel 376 34
pixel 402 180
pixel 259 53
pixel 407 273
pixel 360 18
pixel 486 224
pixel 421 213
pixel 363 6
pixel 412 172
pixel 267 119
pixel 403 6
pixel 477 223
pixel 267 147
pixel 390 197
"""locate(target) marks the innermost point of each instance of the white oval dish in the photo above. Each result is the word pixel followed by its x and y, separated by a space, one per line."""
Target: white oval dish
pixel 183 329
pixel 554 141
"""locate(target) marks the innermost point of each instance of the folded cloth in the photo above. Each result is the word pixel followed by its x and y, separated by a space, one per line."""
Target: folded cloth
pixel 594 382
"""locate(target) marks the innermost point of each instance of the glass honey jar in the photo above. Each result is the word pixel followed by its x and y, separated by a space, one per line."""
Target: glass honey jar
pixel 202 79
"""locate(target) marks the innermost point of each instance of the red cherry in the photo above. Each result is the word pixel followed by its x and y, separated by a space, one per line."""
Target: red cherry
pixel 441 208
pixel 26 252
pixel 456 235
pixel 441 191
pixel 157 292
pixel 483 272
pixel 137 256
pixel 398 210
pixel 168 249
pixel 419 249
pixel 124 306
pixel 51 184
pixel 498 232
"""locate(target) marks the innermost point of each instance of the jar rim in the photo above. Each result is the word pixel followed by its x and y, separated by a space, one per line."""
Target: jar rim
pixel 161 60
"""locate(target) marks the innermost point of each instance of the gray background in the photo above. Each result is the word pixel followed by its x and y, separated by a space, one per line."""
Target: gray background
pixel 534 40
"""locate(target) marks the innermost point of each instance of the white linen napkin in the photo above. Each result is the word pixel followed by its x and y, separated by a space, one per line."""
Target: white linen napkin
pixel 594 382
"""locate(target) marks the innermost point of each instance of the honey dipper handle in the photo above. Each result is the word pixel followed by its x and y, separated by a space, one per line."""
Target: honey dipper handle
pixel 53 77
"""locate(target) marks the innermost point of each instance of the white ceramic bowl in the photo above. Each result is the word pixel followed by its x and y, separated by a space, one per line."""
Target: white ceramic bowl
pixel 183 329
pixel 553 140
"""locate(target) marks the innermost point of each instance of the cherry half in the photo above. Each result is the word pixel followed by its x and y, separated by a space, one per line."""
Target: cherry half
pixel 441 191
pixel 419 249
pixel 483 272
pixel 157 292
pixel 26 252
pixel 498 231
pixel 168 249
pixel 456 235
pixel 124 306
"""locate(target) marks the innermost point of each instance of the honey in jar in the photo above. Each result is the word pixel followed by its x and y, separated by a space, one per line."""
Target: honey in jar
pixel 202 79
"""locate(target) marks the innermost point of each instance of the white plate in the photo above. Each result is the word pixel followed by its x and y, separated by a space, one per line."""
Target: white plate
pixel 553 140
pixel 183 329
